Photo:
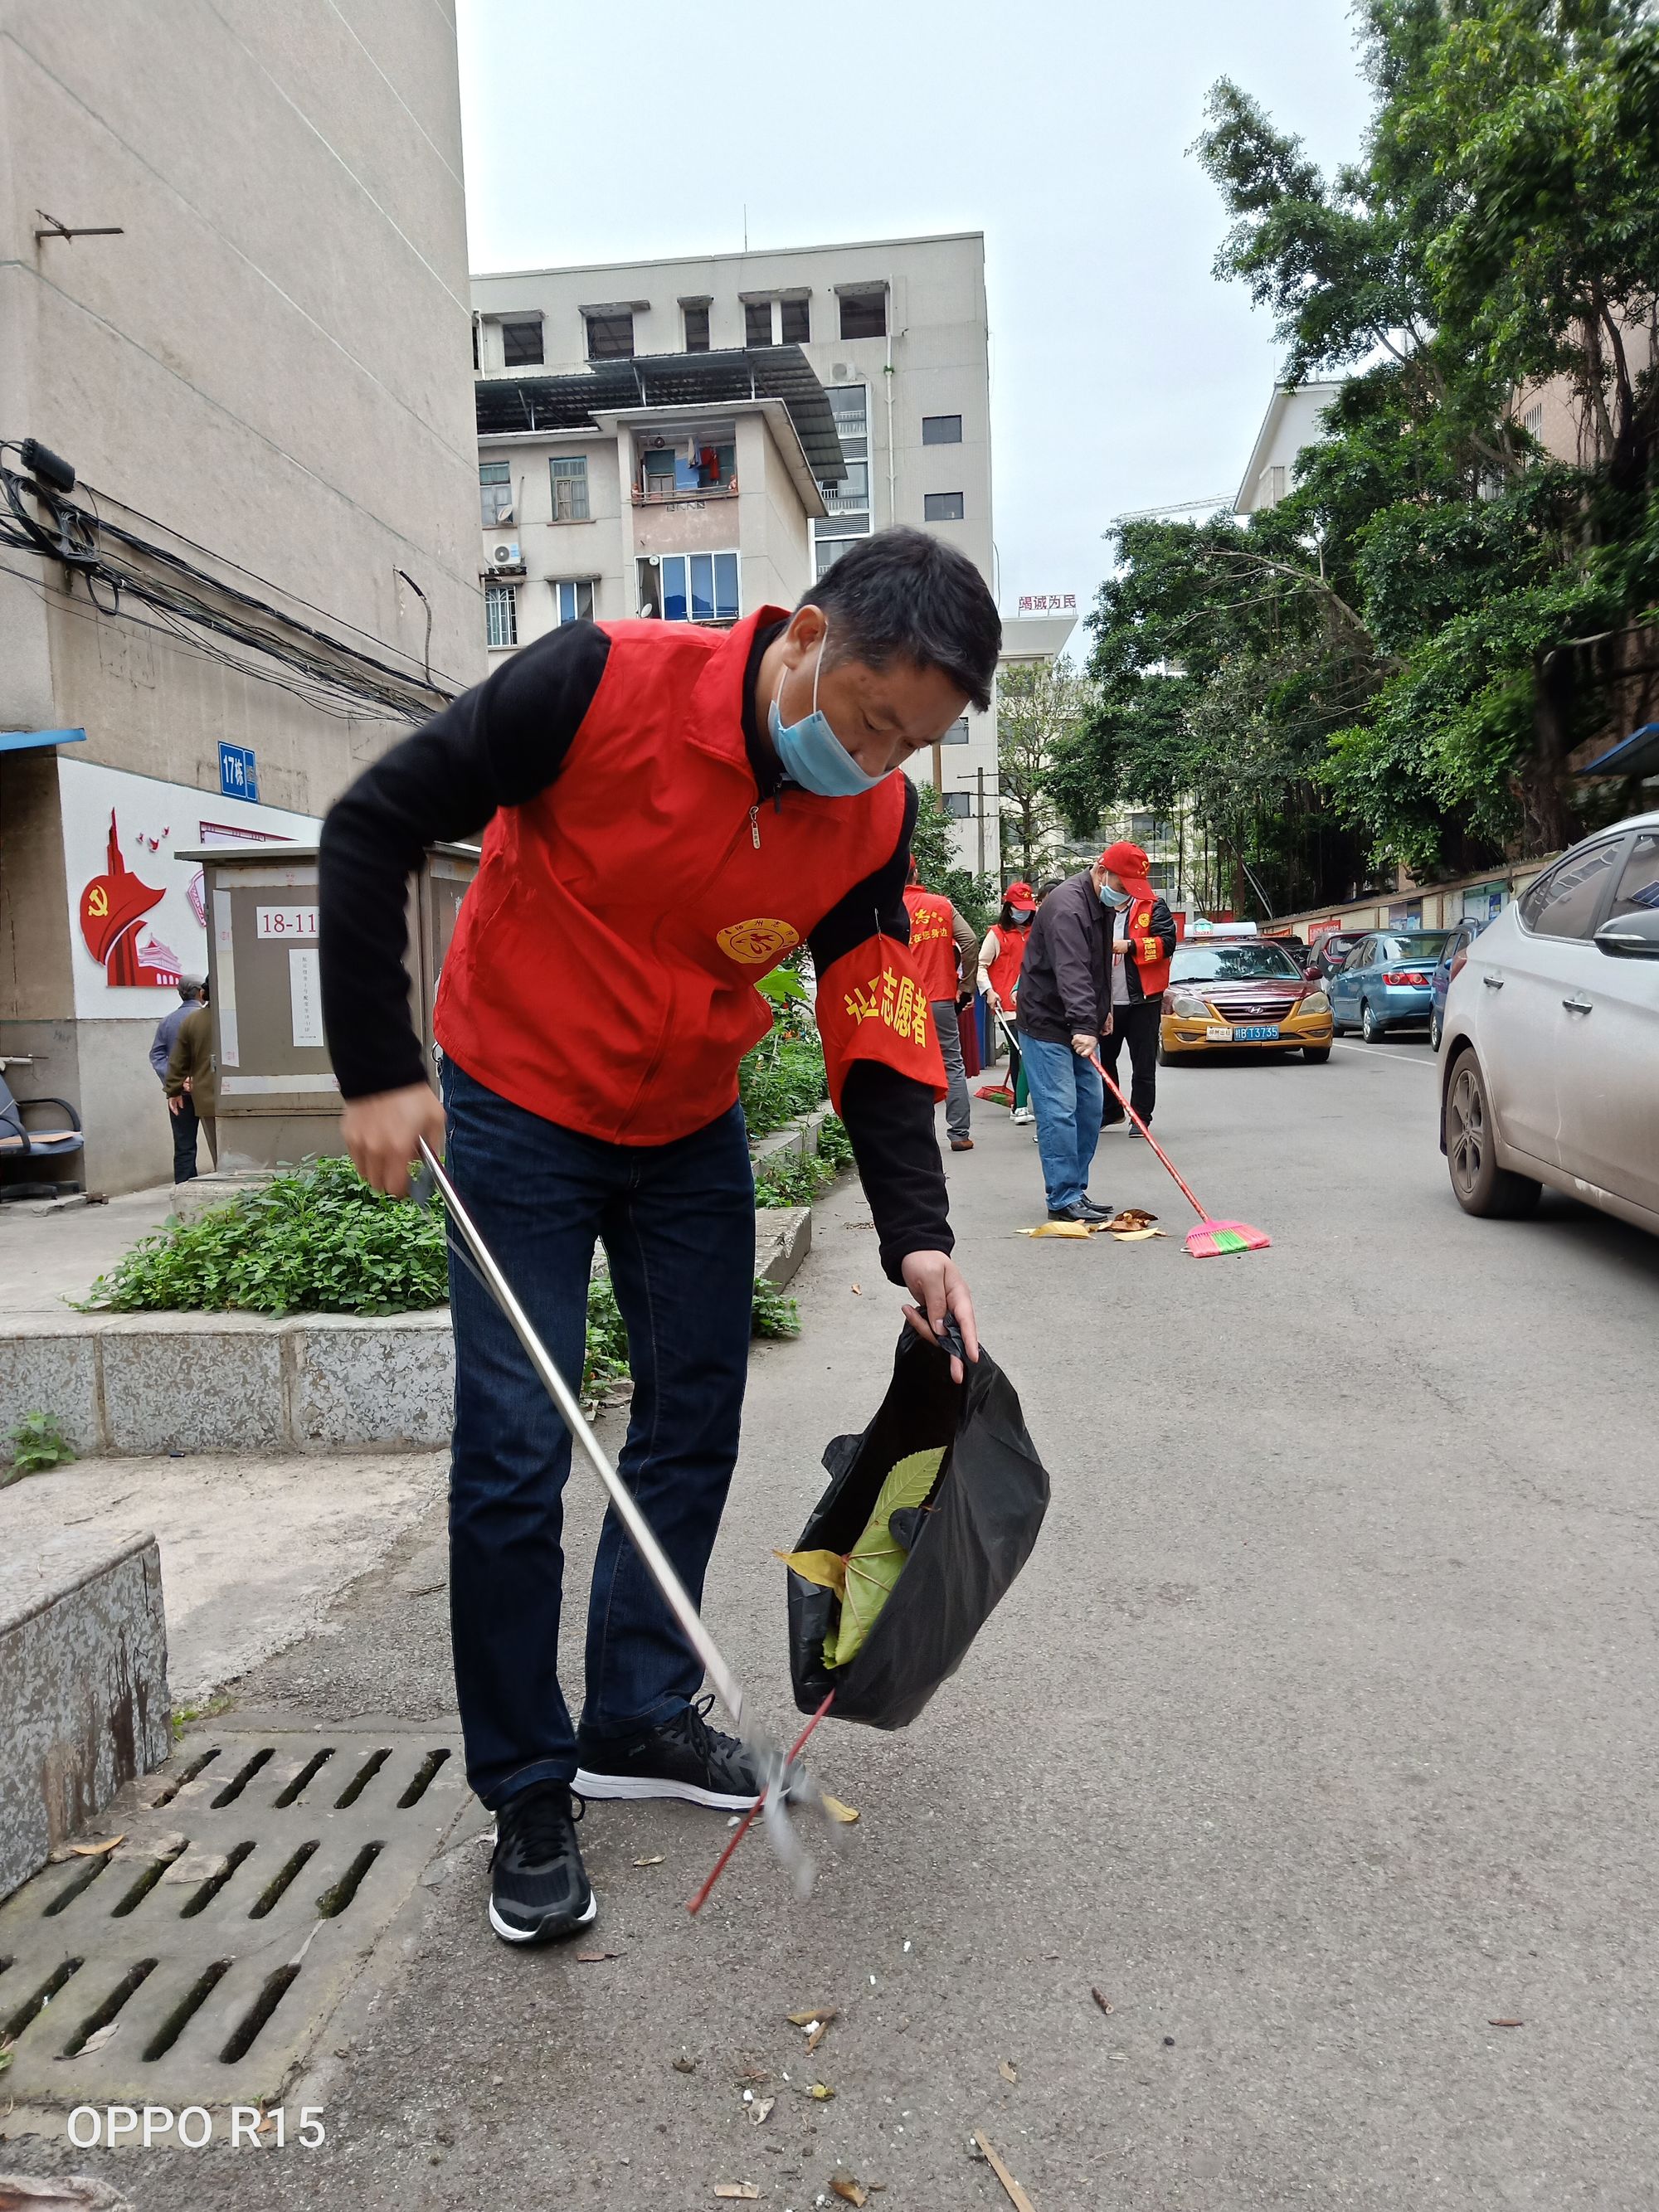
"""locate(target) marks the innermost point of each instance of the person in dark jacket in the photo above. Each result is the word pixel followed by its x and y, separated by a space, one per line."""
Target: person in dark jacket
pixel 191 1081
pixel 180 1111
pixel 1143 941
pixel 667 811
pixel 1065 1009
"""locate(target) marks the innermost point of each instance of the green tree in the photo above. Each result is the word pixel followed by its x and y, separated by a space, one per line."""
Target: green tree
pixel 1041 707
pixel 977 897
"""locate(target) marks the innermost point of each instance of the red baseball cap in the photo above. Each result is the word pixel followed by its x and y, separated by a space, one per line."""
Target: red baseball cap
pixel 1019 895
pixel 1126 860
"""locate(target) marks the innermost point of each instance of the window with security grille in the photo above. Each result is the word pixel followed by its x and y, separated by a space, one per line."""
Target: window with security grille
pixel 495 493
pixel 569 475
pixel 573 601
pixel 610 338
pixel 501 616
pixel 864 314
pixel 941 507
pixel 521 343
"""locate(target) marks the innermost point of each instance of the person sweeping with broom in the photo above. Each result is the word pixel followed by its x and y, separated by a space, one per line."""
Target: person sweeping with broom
pixel 667 811
pixel 1143 943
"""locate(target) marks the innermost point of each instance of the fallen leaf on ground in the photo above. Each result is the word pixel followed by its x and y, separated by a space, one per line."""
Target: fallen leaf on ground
pixel 845 1813
pixel 821 2093
pixel 95 1851
pixel 1008 2073
pixel 595 1957
pixel 5 2060
pixel 684 2065
pixel 1016 2195
pixel 846 2187
pixel 744 2191
pixel 1132 1217
pixel 809 2015
pixel 816 2035
pixel 95 2041
pixel 1506 2023
pixel 1104 2003
pixel 761 2111
pixel 1136 1236
pixel 857 1292
pixel 655 1859
pixel 1058 1229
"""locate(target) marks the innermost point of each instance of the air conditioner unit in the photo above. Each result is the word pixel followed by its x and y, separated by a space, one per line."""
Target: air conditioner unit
pixel 507 555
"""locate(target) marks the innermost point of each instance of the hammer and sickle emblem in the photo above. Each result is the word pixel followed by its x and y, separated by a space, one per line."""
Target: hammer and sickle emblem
pixel 98 900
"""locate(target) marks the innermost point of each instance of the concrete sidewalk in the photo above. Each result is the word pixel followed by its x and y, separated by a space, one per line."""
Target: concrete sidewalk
pixel 48 1258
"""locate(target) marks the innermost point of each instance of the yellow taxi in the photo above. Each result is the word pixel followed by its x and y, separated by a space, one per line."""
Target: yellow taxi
pixel 1230 991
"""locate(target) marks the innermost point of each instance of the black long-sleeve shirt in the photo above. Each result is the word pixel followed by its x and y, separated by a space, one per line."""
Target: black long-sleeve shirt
pixel 502 745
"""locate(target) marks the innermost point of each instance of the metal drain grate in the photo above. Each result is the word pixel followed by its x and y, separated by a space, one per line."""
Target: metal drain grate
pixel 197 1962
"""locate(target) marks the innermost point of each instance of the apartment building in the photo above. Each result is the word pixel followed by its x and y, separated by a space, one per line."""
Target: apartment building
pixel 688 440
pixel 245 561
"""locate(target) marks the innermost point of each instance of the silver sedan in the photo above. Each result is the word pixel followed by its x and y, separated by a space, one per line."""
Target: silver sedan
pixel 1550 1071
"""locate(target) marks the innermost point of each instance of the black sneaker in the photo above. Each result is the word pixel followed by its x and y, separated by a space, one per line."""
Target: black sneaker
pixel 683 1758
pixel 539 1887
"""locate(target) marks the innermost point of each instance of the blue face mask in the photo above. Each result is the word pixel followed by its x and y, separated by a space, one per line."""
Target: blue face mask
pixel 811 754
pixel 1112 900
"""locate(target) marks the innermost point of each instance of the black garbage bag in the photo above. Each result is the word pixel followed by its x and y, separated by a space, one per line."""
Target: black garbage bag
pixel 965 1546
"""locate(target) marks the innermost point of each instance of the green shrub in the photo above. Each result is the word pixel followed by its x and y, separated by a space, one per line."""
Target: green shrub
pixel 37 1442
pixel 316 1239
pixel 782 1078
pixel 774 1314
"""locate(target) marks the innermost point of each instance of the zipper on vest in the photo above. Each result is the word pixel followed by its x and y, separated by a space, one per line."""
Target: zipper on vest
pixel 754 824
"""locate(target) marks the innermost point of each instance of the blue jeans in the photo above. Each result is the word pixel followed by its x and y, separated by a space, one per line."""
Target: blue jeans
pixel 677 1223
pixel 1067 1094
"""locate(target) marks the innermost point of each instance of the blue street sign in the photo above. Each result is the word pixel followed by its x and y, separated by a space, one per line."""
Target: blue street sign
pixel 239 773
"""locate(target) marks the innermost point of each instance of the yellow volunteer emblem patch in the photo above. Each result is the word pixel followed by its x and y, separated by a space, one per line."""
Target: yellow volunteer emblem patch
pixel 758 943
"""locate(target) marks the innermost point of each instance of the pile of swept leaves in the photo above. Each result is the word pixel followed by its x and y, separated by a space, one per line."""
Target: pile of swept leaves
pixel 863 1579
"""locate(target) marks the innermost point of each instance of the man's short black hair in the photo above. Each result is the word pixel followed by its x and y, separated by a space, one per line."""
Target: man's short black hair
pixel 903 592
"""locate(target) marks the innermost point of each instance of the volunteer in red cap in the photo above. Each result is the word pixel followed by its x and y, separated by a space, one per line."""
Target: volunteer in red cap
pixel 942 946
pixel 1000 960
pixel 1143 941
pixel 667 811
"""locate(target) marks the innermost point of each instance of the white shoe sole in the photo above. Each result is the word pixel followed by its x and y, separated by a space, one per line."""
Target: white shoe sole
pixel 534 1934
pixel 635 1789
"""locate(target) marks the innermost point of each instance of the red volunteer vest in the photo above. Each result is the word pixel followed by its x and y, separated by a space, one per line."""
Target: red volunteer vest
pixel 605 960
pixel 1003 970
pixel 1151 961
pixel 933 941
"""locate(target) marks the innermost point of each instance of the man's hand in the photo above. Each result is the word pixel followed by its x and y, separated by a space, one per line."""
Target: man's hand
pixel 383 1133
pixel 1084 1046
pixel 935 1281
pixel 176 1103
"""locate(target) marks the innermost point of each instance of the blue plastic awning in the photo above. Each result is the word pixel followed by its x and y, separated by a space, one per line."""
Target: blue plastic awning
pixel 29 741
pixel 1636 755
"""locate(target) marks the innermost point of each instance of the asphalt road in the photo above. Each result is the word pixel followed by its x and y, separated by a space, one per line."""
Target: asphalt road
pixel 1317 1736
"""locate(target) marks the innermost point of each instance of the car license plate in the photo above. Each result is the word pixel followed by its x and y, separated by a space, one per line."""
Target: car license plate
pixel 1218 1034
pixel 1256 1033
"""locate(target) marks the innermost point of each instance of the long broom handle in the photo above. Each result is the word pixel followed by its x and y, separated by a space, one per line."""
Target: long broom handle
pixel 1094 1061
pixel 639 1532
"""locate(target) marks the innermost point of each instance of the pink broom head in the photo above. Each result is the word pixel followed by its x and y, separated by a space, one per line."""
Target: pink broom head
pixel 1213 1240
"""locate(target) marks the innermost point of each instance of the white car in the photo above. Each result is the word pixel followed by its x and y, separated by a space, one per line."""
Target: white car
pixel 1550 1067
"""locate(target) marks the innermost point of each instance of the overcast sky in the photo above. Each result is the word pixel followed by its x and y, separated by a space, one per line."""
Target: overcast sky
pixel 1122 375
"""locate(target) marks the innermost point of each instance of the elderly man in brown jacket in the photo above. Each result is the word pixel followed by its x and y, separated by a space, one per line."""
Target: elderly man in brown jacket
pixel 193 1073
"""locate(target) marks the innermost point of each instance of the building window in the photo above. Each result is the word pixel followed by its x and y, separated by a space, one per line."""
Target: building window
pixel 849 501
pixel 958 733
pixel 500 614
pixel 610 338
pixel 941 507
pixel 1533 422
pixel 495 493
pixel 690 587
pixel 688 470
pixel 795 323
pixel 758 322
pixel 958 805
pixel 570 488
pixel 864 314
pixel 697 326
pixel 521 343
pixel 573 601
pixel 941 429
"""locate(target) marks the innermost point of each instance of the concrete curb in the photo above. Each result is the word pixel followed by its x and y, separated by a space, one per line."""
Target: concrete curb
pixel 157 1382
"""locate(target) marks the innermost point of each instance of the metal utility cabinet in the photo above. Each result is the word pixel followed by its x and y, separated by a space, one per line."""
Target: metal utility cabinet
pixel 279 1101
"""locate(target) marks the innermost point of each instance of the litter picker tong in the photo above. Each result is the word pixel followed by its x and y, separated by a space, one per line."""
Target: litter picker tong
pixel 784 1784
